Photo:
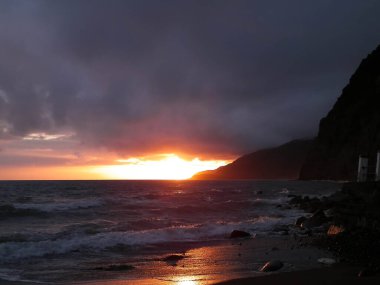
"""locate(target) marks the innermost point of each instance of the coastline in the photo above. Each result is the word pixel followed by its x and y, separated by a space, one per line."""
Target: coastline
pixel 240 258
pixel 237 258
pixel 237 261
pixel 354 246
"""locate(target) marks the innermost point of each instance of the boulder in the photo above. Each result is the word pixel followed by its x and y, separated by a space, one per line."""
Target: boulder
pixel 327 261
pixel 272 265
pixel 329 213
pixel 296 200
pixel 300 220
pixel 281 228
pixel 316 220
pixel 239 234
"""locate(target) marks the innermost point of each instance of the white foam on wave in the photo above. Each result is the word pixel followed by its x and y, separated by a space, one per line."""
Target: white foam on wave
pixel 14 276
pixel 61 205
pixel 9 275
pixel 270 201
pixel 11 251
pixel 284 191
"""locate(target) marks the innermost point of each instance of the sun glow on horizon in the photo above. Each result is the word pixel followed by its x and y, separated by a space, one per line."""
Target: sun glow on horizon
pixel 167 167
pixel 187 282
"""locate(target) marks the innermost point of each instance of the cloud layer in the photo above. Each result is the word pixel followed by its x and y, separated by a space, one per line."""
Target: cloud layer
pixel 200 77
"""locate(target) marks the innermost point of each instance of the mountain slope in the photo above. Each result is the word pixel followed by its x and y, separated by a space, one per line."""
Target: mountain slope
pixel 350 129
pixel 283 162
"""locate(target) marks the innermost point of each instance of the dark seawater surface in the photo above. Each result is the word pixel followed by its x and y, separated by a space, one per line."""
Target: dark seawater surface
pixel 65 230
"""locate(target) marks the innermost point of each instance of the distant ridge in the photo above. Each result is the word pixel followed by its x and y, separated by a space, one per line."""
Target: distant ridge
pixel 350 129
pixel 282 162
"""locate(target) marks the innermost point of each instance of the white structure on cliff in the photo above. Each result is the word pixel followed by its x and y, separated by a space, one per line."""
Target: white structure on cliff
pixel 377 177
pixel 363 171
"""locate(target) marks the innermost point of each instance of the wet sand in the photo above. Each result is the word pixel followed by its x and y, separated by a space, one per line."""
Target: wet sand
pixel 212 264
pixel 339 274
pixel 206 265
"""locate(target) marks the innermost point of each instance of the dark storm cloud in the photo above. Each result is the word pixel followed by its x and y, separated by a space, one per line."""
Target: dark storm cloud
pixel 195 76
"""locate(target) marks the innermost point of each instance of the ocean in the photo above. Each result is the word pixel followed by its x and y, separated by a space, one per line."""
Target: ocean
pixel 74 231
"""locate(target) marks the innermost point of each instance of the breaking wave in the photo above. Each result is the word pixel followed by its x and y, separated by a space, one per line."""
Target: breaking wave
pixel 10 251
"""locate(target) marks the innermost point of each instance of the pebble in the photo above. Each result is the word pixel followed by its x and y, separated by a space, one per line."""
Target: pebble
pixel 327 261
pixel 239 234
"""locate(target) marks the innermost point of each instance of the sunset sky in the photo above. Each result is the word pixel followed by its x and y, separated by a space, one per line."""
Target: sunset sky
pixel 163 89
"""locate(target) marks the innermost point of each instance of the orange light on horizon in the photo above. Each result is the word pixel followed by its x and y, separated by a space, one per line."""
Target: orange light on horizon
pixel 168 167
pixel 187 282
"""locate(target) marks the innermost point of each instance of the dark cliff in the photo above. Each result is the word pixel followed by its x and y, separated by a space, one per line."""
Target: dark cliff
pixel 350 129
pixel 283 162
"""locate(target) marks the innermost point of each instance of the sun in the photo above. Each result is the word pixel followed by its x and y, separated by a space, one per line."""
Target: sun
pixel 159 167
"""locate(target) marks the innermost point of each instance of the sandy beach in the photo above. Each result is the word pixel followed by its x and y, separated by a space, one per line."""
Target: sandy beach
pixel 340 274
pixel 240 258
pixel 233 259
pixel 226 260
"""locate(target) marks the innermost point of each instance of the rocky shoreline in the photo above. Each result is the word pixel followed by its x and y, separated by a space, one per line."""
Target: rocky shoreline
pixel 347 223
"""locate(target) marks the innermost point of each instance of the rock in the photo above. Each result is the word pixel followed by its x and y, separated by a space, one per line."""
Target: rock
pixel 296 200
pixel 335 230
pixel 329 213
pixel 309 233
pixel 281 228
pixel 273 265
pixel 300 220
pixel 327 261
pixel 318 219
pixel 311 205
pixel 306 203
pixel 239 234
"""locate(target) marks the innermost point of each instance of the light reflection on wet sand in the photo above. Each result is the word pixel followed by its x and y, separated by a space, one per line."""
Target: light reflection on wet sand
pixel 212 264
pixel 184 280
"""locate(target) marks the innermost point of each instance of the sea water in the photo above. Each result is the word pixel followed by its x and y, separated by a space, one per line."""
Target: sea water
pixel 65 230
